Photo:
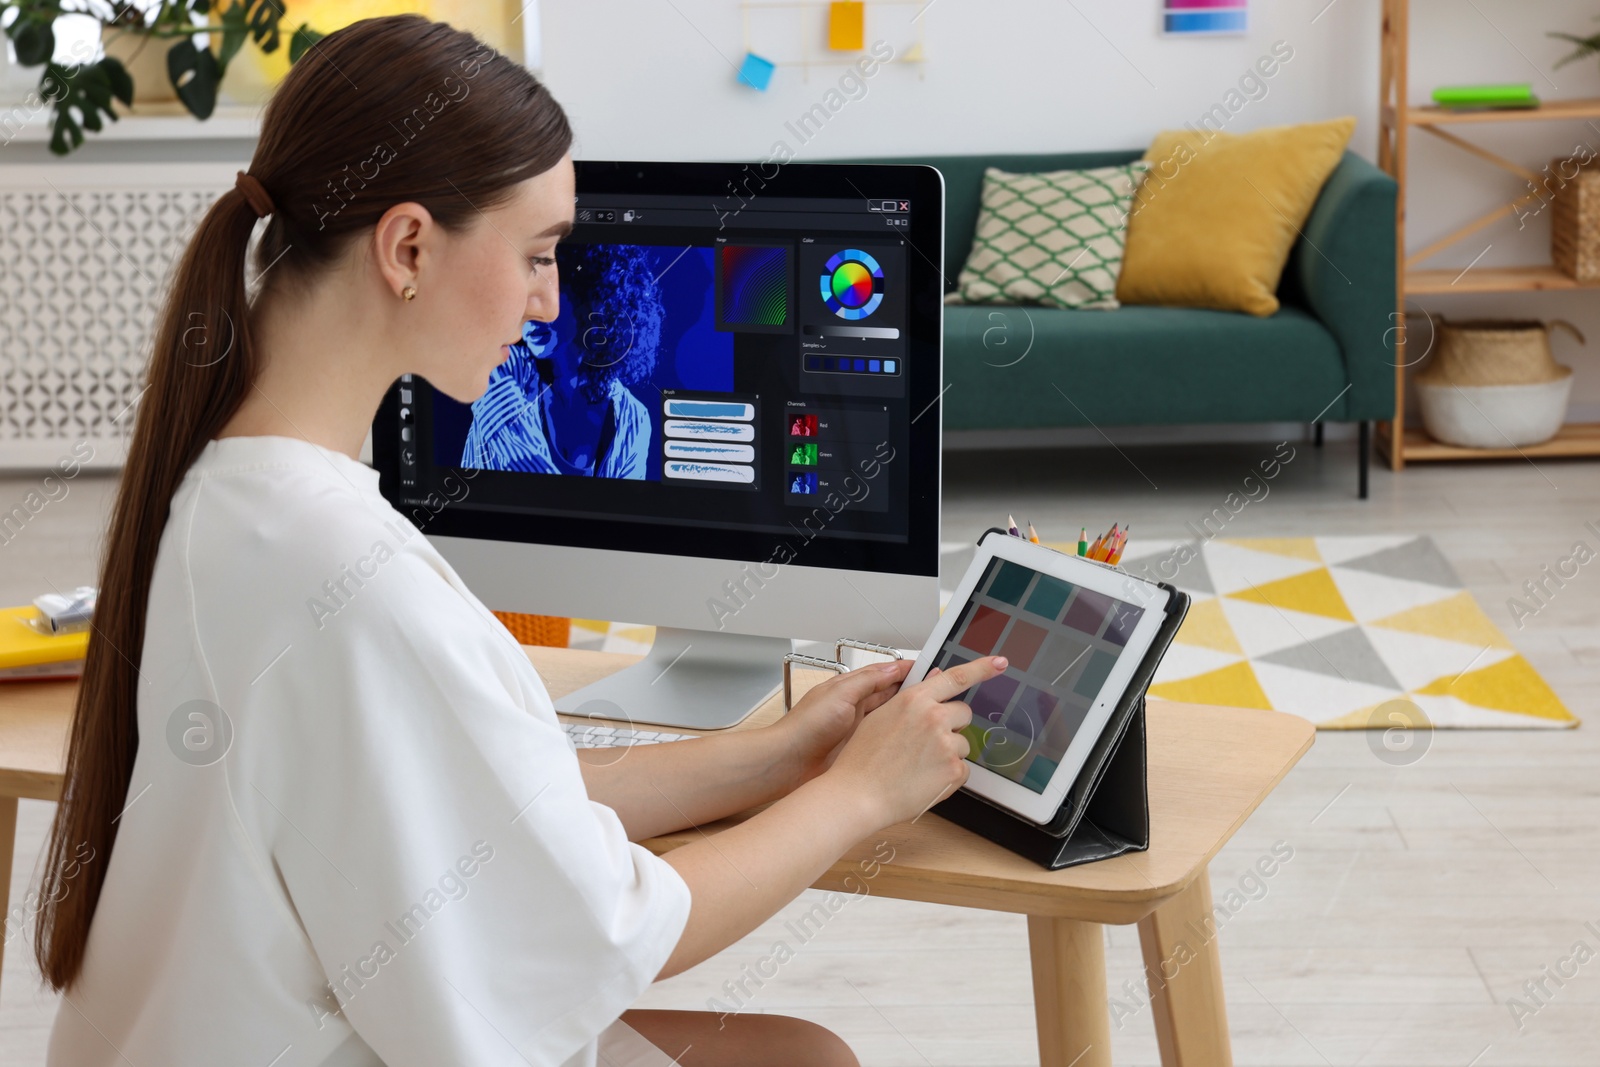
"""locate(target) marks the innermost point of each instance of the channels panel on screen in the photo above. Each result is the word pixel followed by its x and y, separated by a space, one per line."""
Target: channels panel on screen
pixel 1061 642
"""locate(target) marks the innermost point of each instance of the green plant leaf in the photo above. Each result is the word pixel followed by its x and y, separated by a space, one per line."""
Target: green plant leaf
pixel 118 79
pixel 264 16
pixel 34 40
pixel 1587 46
pixel 195 75
pixel 81 98
pixel 63 128
pixel 304 39
pixel 234 32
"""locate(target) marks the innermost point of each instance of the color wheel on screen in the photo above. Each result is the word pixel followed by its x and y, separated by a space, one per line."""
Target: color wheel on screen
pixel 852 284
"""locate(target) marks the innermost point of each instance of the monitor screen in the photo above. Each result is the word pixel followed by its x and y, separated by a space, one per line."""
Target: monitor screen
pixel 745 365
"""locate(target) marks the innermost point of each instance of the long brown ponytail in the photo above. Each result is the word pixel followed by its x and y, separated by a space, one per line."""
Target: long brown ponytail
pixel 385 111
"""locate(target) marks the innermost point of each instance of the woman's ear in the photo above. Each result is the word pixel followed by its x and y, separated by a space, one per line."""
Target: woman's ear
pixel 402 243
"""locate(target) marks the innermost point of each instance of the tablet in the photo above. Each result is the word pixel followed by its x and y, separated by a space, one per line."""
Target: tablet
pixel 1074 632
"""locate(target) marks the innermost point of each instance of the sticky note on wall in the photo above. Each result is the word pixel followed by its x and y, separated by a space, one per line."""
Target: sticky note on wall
pixel 755 71
pixel 847 25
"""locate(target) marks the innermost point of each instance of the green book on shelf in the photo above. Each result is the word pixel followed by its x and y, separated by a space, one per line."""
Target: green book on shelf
pixel 1485 96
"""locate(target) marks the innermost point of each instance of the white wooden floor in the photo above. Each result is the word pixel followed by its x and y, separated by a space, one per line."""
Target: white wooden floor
pixel 1419 898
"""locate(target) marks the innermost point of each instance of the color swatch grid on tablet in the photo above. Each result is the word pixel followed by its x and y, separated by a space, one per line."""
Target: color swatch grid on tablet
pixel 1061 640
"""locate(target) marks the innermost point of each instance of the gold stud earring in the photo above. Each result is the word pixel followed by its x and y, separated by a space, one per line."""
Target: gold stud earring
pixel 409 292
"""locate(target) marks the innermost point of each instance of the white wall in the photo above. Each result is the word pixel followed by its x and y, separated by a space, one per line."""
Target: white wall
pixel 1002 75
pixel 649 79
pixel 655 79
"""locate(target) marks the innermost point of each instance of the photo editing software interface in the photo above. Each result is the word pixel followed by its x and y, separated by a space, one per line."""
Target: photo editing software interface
pixel 1061 640
pixel 738 367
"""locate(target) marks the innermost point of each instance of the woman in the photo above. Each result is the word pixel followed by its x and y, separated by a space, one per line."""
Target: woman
pixel 357 836
pixel 560 404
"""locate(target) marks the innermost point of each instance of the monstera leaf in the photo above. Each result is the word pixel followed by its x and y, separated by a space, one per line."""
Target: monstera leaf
pixel 304 39
pixel 81 95
pixel 255 19
pixel 197 72
pixel 33 38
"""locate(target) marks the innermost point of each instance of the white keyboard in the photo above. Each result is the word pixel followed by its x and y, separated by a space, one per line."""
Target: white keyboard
pixel 592 735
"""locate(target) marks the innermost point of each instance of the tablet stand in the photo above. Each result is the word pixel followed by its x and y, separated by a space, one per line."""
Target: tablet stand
pixel 1116 818
pixel 1107 810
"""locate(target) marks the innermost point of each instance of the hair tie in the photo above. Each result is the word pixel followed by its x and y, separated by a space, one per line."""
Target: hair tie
pixel 255 194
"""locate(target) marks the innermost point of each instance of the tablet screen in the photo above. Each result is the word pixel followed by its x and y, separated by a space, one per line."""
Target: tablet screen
pixel 1061 640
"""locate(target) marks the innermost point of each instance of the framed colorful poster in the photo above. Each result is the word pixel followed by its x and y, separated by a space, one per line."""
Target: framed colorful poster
pixel 1191 18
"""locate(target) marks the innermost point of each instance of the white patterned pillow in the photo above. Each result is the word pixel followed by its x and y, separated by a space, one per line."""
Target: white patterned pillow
pixel 1054 238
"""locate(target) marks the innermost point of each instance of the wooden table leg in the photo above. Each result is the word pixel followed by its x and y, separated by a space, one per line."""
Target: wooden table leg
pixel 9 928
pixel 1069 992
pixel 1184 971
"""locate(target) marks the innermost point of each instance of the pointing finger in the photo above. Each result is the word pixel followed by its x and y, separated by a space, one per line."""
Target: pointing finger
pixel 958 680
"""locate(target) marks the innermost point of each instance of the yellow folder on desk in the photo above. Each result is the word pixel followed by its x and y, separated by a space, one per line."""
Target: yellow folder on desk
pixel 27 653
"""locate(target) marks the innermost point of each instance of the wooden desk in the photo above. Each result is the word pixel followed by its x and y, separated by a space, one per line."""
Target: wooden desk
pixel 1209 769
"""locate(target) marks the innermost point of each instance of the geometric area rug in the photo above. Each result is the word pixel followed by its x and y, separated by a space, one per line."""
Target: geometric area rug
pixel 1327 628
pixel 1331 628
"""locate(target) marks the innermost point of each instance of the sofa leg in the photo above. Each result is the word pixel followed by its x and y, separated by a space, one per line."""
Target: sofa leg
pixel 1316 433
pixel 1364 445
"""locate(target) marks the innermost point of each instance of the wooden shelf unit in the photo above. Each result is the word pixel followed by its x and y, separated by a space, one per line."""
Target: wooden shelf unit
pixel 1491 280
pixel 1576 439
pixel 1397 118
pixel 1549 111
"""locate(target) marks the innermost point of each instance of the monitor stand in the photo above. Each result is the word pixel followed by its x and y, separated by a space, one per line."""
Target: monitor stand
pixel 694 679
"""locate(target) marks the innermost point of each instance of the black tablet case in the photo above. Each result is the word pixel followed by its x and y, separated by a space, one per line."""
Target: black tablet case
pixel 1107 810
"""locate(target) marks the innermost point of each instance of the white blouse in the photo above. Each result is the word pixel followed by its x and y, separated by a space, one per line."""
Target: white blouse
pixel 356 834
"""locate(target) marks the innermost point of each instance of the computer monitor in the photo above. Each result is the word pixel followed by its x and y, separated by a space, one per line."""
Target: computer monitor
pixel 731 430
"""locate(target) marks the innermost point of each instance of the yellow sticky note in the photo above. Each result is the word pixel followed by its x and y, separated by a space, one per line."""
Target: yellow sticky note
pixel 847 25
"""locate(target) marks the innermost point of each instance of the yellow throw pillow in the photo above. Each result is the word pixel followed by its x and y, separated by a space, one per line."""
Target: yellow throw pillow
pixel 1217 213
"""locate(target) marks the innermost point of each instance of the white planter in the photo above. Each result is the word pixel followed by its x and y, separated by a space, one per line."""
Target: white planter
pixel 1495 416
pixel 145 58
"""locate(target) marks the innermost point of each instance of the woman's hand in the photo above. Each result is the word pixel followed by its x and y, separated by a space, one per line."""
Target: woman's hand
pixel 822 720
pixel 889 766
pixel 908 755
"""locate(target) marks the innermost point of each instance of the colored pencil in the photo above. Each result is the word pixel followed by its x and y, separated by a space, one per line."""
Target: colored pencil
pixel 1122 546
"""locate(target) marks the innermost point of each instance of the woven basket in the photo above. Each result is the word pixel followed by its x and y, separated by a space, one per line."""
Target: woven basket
pixel 552 631
pixel 1495 353
pixel 1575 223
pixel 1495 384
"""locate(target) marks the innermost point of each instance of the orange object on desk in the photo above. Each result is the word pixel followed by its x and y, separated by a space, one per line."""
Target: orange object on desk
pixel 551 631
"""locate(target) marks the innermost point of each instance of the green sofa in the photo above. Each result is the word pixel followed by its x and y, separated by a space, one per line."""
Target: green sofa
pixel 1326 355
